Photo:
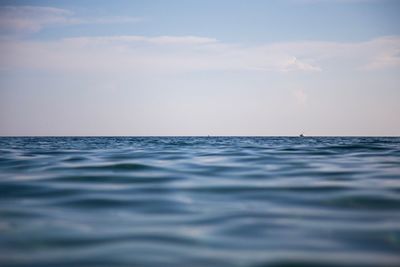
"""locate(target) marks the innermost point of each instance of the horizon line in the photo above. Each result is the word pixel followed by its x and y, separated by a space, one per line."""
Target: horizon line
pixel 206 136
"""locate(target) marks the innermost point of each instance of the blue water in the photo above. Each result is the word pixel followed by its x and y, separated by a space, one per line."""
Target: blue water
pixel 198 201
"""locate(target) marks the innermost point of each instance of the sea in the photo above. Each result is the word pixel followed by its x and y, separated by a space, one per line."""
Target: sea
pixel 199 201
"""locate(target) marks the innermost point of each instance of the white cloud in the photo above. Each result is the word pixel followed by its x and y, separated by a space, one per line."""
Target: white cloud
pixel 300 96
pixel 332 1
pixel 153 54
pixel 134 53
pixel 109 20
pixel 387 54
pixel 29 19
pixel 132 39
pixel 295 64
pixel 384 60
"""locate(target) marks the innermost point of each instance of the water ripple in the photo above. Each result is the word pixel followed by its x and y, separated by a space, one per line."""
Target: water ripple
pixel 199 201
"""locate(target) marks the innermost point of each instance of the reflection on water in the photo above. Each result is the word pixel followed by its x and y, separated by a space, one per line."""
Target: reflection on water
pixel 198 201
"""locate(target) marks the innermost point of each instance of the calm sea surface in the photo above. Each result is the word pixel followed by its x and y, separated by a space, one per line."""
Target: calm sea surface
pixel 199 201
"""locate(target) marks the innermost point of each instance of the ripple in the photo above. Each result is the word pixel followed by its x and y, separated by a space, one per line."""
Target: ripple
pixel 199 201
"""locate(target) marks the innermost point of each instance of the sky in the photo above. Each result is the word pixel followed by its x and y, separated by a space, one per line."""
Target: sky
pixel 210 67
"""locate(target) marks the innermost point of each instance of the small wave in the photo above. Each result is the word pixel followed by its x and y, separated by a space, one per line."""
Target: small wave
pixel 199 201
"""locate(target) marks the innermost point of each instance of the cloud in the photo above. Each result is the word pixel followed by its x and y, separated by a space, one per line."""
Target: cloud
pixel 295 64
pixel 166 54
pixel 109 20
pixel 132 39
pixel 300 96
pixel 332 1
pixel 385 60
pixel 152 54
pixel 387 54
pixel 30 19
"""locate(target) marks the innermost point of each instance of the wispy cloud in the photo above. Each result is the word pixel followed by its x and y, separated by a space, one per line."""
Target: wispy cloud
pixel 295 64
pixel 387 54
pixel 155 54
pixel 108 20
pixel 332 1
pixel 385 60
pixel 300 96
pixel 30 19
pixel 132 39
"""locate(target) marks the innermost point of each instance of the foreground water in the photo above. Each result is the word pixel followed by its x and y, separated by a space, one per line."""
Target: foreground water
pixel 192 201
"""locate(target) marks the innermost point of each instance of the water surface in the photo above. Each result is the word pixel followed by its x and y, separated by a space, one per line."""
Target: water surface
pixel 198 201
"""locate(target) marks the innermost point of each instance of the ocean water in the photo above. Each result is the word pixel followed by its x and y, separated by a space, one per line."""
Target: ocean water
pixel 200 201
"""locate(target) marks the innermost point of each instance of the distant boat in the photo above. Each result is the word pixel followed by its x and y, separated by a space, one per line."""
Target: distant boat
pixel 301 135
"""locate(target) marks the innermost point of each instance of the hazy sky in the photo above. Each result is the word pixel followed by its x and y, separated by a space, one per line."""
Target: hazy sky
pixel 214 67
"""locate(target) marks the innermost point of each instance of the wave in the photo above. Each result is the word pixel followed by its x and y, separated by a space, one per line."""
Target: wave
pixel 199 201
